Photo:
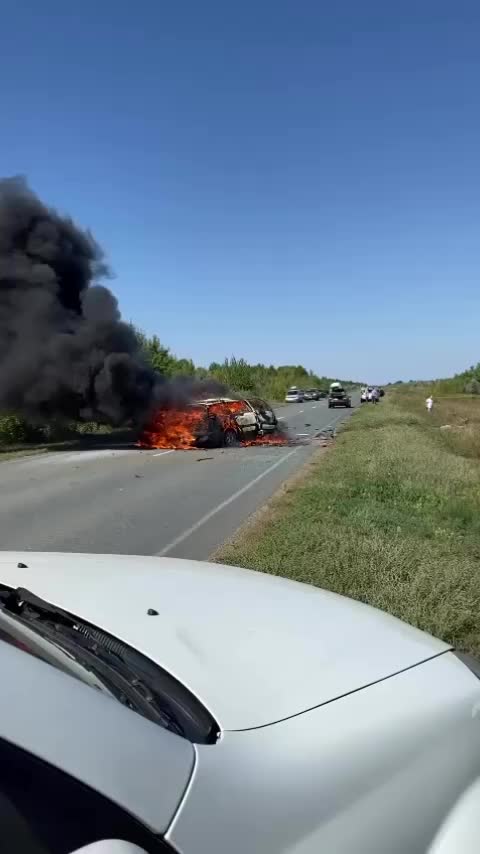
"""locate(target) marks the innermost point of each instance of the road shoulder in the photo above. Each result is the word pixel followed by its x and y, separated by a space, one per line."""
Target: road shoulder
pixel 268 512
pixel 390 516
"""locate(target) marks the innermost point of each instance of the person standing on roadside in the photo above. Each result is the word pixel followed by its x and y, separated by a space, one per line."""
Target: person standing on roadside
pixel 429 403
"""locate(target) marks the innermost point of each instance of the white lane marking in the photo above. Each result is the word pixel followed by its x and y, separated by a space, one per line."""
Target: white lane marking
pixel 314 407
pixel 302 434
pixel 162 453
pixel 300 411
pixel 332 422
pixel 342 414
pixel 223 504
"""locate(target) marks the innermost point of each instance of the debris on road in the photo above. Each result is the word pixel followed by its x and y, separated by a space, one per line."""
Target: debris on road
pixel 326 433
pixel 203 459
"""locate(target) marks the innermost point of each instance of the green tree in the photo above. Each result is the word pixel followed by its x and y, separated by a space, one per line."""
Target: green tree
pixel 235 373
pixel 184 368
pixel 158 356
pixel 472 386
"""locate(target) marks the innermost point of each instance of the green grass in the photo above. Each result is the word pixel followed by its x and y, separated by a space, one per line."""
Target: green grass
pixel 389 516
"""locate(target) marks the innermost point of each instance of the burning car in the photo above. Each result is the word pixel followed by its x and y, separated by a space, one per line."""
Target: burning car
pixel 210 423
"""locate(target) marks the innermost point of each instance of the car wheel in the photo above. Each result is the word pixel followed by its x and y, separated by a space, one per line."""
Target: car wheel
pixel 230 439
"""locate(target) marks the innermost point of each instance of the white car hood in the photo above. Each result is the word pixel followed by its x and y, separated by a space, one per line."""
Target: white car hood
pixel 253 648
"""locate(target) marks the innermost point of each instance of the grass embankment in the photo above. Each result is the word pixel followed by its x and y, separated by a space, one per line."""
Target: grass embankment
pixel 389 516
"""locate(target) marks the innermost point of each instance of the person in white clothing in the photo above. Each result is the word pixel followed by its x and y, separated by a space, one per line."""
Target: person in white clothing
pixel 429 403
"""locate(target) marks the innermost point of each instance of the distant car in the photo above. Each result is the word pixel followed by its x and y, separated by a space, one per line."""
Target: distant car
pixel 338 397
pixel 367 394
pixel 307 395
pixel 312 394
pixel 186 706
pixel 294 396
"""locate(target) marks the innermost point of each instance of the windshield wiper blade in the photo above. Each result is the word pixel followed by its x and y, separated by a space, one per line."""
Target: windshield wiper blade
pixel 92 649
pixel 129 675
pixel 112 672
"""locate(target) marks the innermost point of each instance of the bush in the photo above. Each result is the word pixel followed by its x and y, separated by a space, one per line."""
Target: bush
pixel 13 430
pixel 88 427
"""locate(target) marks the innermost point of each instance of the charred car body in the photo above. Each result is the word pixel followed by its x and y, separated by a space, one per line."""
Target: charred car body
pixel 228 421
pixel 224 422
pixel 210 423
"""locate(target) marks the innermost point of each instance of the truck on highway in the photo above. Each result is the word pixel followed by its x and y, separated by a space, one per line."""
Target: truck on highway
pixel 337 396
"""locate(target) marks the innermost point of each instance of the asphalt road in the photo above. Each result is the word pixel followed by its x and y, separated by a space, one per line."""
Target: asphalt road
pixel 180 503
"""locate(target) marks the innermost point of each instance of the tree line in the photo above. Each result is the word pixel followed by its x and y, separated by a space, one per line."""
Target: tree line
pixel 466 382
pixel 268 381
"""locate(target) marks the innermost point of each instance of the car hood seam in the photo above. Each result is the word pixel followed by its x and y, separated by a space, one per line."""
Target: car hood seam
pixel 341 696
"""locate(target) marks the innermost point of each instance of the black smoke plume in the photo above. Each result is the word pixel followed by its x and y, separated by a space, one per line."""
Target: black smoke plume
pixel 64 350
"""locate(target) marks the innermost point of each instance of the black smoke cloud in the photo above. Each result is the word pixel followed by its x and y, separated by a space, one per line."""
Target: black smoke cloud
pixel 64 350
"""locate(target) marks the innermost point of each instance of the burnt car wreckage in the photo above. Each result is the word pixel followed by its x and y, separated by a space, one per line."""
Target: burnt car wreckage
pixel 213 422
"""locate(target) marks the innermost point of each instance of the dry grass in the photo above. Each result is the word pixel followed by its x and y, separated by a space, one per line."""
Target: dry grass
pixel 391 516
pixel 457 417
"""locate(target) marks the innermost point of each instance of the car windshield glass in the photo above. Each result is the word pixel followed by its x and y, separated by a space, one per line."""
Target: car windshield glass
pixel 20 636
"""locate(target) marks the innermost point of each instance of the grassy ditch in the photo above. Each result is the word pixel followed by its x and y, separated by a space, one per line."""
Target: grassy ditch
pixel 389 516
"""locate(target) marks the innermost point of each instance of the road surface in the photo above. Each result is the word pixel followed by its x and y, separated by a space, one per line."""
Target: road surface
pixel 180 503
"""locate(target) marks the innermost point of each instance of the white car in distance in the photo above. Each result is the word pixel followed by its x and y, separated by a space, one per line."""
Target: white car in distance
pixel 294 395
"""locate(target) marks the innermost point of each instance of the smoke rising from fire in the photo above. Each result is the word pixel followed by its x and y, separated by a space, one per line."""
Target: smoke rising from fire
pixel 64 350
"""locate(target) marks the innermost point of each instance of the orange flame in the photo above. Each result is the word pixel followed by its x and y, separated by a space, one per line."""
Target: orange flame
pixel 180 429
pixel 173 428
pixel 267 439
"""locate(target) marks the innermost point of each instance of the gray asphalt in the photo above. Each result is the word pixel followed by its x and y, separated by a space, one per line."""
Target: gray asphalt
pixel 180 503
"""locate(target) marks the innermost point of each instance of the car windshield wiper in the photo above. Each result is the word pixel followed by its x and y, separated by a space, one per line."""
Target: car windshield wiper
pixel 129 676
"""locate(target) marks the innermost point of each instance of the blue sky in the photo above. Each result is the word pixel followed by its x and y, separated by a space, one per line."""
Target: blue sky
pixel 284 181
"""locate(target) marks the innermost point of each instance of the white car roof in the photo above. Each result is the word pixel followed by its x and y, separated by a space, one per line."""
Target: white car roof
pixel 252 647
pixel 209 400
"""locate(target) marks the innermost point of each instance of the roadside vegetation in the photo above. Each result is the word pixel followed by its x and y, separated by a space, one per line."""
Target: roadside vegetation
pixel 467 382
pixel 390 516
